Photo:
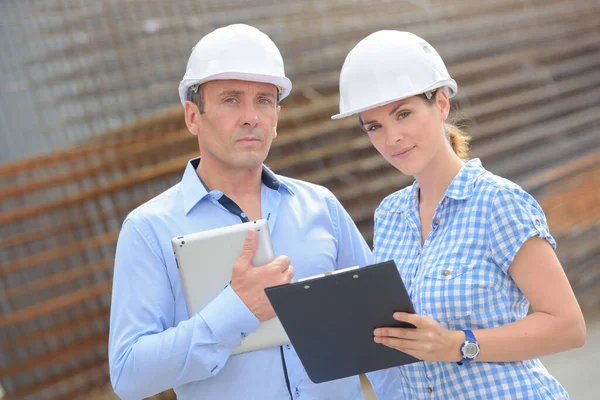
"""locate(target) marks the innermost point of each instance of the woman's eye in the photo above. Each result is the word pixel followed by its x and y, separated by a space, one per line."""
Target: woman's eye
pixel 403 115
pixel 373 128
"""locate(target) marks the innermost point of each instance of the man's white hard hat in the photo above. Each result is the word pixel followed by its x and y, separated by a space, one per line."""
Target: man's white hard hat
pixel 235 52
pixel 387 66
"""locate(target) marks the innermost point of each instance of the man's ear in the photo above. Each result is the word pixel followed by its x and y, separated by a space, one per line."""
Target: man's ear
pixel 192 113
pixel 443 102
pixel 275 127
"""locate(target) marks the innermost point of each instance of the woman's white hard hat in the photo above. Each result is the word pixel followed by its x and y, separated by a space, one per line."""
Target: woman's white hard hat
pixel 235 52
pixel 388 66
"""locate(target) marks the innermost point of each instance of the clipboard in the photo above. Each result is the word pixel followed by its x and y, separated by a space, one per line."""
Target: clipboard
pixel 330 320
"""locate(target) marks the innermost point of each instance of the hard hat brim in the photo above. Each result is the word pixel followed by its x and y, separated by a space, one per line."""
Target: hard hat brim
pixel 283 83
pixel 451 89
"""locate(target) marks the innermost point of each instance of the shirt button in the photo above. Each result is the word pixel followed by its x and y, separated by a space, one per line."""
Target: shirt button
pixel 418 252
pixel 537 222
pixel 436 222
pixel 243 215
pixel 410 282
pixel 446 272
pixel 429 390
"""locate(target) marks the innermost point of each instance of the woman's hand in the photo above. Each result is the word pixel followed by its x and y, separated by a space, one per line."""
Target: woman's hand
pixel 429 341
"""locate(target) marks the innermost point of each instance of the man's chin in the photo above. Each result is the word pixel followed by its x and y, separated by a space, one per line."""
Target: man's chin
pixel 250 159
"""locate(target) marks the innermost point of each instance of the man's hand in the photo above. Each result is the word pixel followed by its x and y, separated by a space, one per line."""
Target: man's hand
pixel 249 282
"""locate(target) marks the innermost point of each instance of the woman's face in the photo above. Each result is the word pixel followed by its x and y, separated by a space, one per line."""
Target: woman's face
pixel 409 133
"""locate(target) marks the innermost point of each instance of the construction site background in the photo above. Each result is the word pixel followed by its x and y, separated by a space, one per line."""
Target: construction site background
pixel 91 127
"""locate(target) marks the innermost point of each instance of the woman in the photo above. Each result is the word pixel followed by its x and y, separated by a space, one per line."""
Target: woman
pixel 474 249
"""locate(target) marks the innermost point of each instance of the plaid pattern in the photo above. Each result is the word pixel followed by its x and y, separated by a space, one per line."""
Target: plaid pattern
pixel 460 278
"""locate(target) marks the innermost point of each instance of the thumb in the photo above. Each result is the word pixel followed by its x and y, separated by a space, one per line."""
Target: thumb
pixel 249 248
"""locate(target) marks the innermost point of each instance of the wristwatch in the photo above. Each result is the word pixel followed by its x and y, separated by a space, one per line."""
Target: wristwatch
pixel 469 349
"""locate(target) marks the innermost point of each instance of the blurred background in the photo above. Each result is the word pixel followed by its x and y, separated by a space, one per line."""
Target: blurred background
pixel 91 127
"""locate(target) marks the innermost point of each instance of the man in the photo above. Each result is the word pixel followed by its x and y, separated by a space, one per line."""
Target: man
pixel 231 90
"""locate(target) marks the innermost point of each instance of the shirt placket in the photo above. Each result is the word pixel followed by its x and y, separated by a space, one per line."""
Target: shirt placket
pixel 425 254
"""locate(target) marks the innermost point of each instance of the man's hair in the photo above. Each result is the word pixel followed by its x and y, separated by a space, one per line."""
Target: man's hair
pixel 194 94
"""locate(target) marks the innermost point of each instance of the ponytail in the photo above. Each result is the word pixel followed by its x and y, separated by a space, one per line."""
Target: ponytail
pixel 458 140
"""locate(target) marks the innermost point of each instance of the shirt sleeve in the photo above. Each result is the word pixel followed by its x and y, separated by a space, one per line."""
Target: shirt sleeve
pixel 352 248
pixel 515 217
pixel 147 353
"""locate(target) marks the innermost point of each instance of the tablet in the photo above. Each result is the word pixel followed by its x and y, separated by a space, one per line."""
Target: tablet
pixel 330 320
pixel 205 262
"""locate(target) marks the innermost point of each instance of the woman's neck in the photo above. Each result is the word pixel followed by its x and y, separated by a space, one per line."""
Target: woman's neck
pixel 436 177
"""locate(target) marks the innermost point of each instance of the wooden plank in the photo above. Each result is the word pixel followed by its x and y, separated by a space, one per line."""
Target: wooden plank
pixel 550 176
pixel 58 303
pixel 57 330
pixel 58 278
pixel 57 356
pixel 42 385
pixel 59 252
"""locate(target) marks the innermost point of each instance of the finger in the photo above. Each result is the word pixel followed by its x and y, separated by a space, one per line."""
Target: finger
pixel 249 248
pixel 282 263
pixel 402 345
pixel 290 271
pixel 414 319
pixel 401 333
pixel 285 277
pixel 416 353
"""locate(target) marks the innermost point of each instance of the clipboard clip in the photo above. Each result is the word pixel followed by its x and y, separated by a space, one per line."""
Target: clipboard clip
pixel 328 273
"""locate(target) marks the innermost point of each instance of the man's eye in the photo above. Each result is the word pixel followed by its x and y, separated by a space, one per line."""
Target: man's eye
pixel 231 100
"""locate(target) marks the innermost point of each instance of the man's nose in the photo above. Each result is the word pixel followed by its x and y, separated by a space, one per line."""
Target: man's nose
pixel 250 116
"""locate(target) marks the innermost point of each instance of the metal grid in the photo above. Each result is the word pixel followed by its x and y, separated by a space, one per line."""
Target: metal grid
pixel 60 213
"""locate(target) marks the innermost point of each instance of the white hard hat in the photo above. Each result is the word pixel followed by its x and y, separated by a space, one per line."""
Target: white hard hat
pixel 235 52
pixel 387 66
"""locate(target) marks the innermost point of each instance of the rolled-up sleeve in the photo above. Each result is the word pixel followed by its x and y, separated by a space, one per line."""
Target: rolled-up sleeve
pixel 515 217
pixel 147 353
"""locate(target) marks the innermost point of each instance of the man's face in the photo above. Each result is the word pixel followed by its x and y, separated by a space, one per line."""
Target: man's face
pixel 238 124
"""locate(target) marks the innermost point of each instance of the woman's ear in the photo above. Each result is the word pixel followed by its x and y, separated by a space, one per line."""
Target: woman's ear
pixel 443 102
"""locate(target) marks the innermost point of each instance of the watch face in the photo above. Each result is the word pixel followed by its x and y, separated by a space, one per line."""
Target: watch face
pixel 470 350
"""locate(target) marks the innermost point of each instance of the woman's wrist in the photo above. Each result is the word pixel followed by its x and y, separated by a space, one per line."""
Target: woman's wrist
pixel 456 338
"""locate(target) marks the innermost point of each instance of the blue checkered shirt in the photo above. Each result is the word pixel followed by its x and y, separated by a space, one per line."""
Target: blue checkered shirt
pixel 459 277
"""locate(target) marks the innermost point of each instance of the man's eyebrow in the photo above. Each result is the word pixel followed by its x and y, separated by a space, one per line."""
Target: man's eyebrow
pixel 232 93
pixel 267 94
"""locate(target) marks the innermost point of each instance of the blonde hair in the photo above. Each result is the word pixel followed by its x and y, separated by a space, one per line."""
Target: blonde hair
pixel 458 139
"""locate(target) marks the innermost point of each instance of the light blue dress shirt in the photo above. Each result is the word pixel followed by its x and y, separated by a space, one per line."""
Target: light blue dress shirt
pixel 155 345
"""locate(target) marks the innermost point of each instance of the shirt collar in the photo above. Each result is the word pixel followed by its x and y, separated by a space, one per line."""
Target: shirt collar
pixel 460 188
pixel 194 189
pixel 462 185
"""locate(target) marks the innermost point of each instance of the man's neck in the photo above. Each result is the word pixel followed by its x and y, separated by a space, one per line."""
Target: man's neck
pixel 235 182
